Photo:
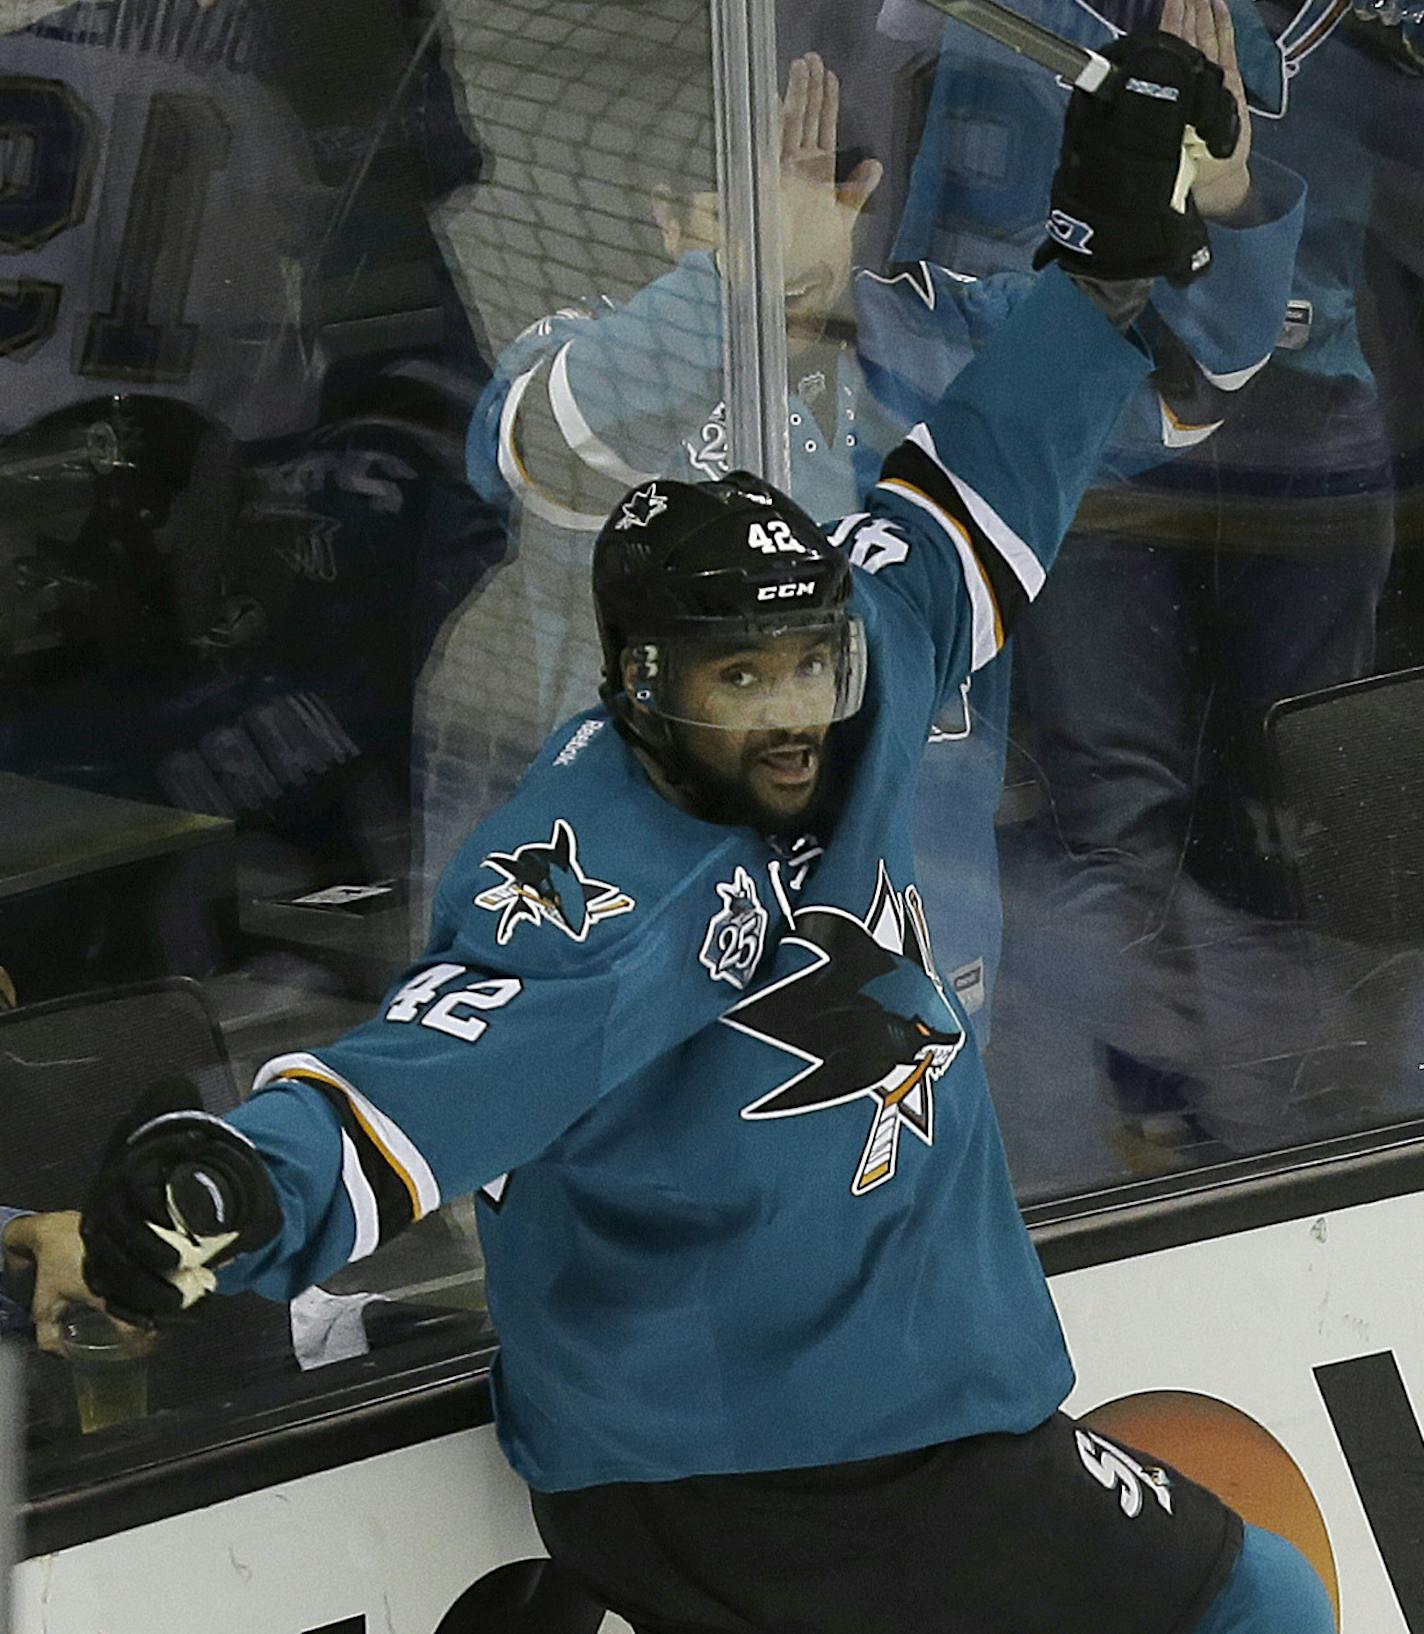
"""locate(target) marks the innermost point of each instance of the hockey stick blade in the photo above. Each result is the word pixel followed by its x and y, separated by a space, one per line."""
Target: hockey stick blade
pixel 1080 67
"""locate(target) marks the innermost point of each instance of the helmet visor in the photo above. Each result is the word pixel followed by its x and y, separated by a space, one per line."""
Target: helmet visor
pixel 741 679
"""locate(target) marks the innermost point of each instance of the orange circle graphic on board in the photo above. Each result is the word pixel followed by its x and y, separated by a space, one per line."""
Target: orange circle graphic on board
pixel 1229 1453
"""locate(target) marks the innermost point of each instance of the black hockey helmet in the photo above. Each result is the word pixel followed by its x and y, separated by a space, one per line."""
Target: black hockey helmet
pixel 686 570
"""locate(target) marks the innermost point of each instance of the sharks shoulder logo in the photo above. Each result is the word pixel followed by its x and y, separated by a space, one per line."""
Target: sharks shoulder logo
pixel 544 884
pixel 867 1018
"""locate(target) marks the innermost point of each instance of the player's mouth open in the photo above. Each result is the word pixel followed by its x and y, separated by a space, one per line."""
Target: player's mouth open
pixel 792 764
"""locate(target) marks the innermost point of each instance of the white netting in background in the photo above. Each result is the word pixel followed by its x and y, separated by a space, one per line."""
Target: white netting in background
pixel 581 110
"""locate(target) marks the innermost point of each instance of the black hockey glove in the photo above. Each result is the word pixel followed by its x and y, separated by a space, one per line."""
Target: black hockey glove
pixel 176 1196
pixel 1121 206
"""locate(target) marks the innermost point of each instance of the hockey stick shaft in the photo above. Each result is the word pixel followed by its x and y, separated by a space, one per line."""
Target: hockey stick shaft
pixel 877 1162
pixel 1084 69
pixel 1080 67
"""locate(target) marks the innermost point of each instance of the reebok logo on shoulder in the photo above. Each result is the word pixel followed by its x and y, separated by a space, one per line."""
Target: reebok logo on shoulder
pixel 579 741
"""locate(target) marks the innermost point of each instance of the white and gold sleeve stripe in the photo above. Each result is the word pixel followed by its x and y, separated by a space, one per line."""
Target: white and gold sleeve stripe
pixel 1026 567
pixel 391 1174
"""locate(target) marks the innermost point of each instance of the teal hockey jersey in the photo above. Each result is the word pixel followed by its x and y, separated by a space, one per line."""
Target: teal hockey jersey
pixel 745 1199
pixel 636 389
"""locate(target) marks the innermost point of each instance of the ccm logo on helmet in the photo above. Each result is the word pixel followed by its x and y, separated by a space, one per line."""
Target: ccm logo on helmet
pixel 779 592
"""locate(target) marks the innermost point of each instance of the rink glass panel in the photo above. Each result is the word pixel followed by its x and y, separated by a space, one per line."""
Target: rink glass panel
pixel 256 301
pixel 268 652
pixel 1170 850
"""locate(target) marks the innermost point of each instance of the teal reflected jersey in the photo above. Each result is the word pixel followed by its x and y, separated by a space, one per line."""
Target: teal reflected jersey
pixel 745 1201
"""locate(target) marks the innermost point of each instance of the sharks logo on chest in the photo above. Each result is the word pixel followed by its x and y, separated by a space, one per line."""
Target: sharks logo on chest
pixel 544 884
pixel 867 1018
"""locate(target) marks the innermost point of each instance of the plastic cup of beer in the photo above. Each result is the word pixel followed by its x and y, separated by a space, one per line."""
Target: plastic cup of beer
pixel 109 1364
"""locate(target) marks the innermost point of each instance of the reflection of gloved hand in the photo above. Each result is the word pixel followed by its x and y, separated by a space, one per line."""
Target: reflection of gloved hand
pixel 1121 204
pixel 177 1196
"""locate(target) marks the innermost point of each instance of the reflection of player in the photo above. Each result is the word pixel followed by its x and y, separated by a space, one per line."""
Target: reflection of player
pixel 1256 563
pixel 171 196
pixel 1260 564
pixel 583 402
pixel 236 373
pixel 198 182
pixel 771 1328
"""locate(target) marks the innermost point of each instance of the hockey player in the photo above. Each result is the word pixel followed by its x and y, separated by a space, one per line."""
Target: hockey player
pixel 585 402
pixel 776 1350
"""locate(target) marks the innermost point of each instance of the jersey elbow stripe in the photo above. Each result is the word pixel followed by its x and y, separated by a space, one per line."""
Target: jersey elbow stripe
pixel 1309 28
pixel 386 1186
pixel 362 1199
pixel 1193 401
pixel 1021 561
pixel 911 466
pixel 1235 379
pixel 986 618
pixel 399 1179
pixel 578 434
pixel 1178 433
pixel 516 474
pixel 987 621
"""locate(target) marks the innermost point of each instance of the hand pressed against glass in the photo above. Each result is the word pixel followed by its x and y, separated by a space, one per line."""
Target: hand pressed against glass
pixel 1221 185
pixel 818 214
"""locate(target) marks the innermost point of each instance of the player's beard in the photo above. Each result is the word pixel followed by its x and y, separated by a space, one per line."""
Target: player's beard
pixel 729 797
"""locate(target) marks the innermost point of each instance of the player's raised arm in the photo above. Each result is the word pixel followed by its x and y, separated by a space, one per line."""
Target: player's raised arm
pixel 971 507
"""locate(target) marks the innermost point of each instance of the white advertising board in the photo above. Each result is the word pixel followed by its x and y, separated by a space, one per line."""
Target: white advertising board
pixel 1284 1365
pixel 385 1546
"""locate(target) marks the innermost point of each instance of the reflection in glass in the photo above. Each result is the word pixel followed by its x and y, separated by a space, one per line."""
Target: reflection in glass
pixel 237 363
pixel 237 372
pixel 1142 860
pixel 599 126
pixel 1168 995
pixel 330 332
